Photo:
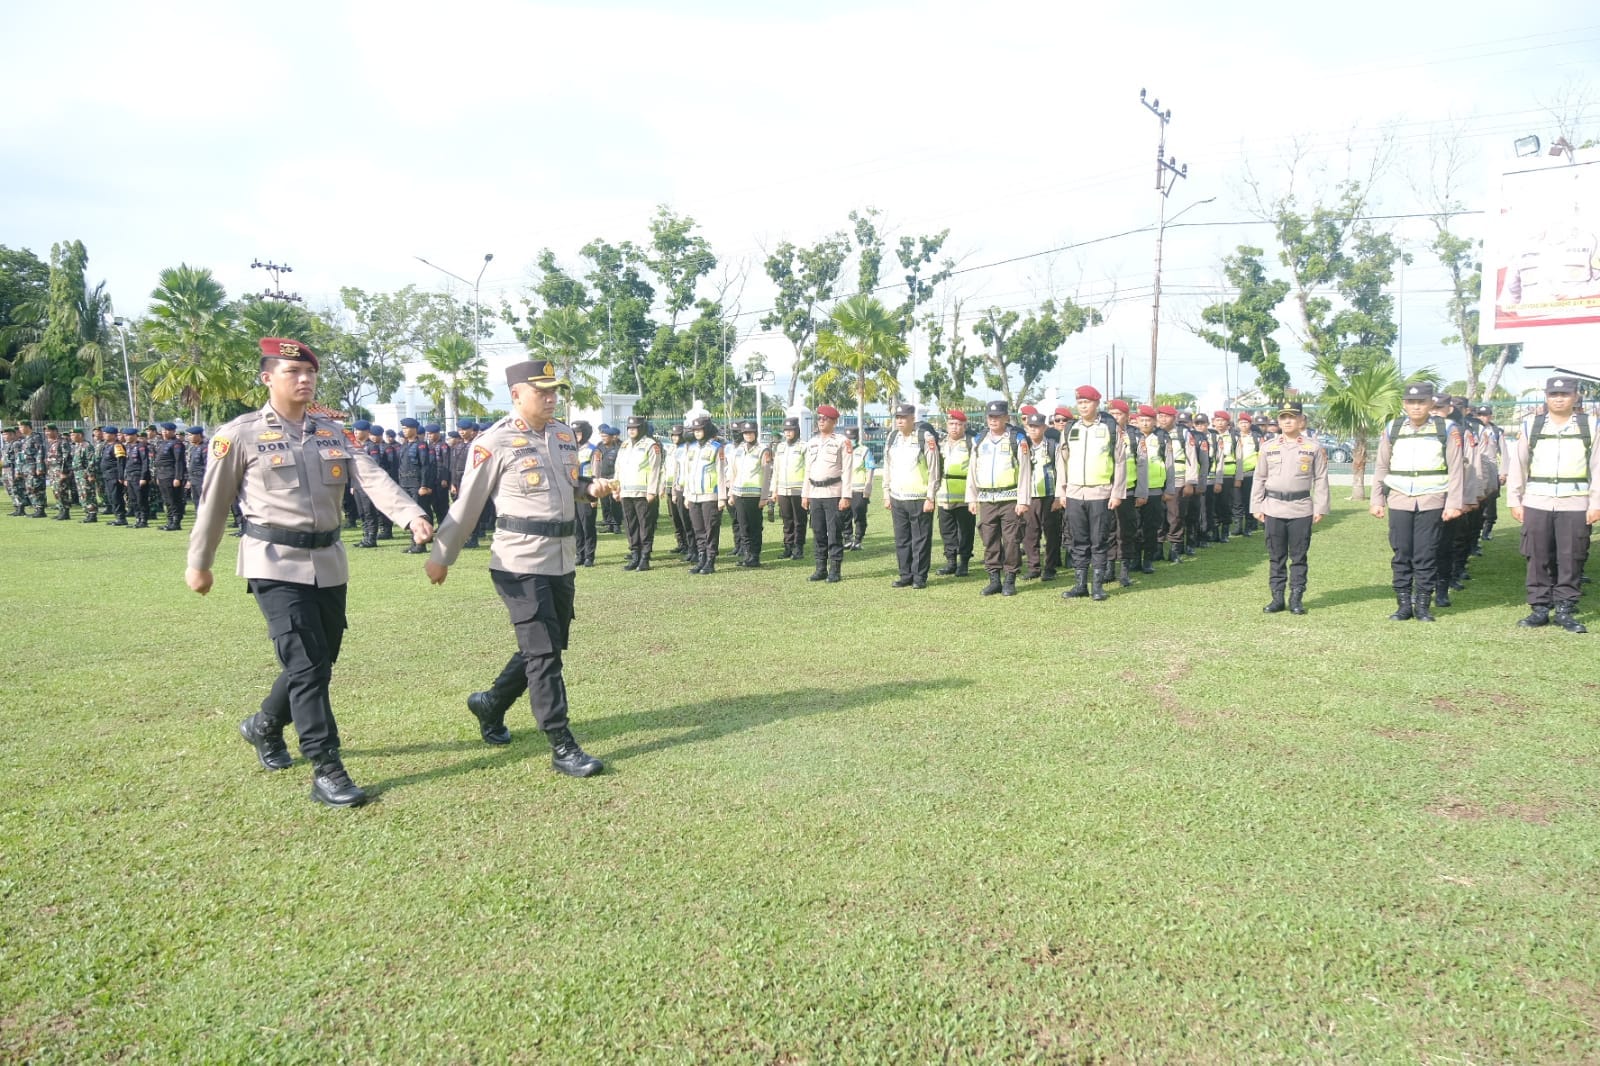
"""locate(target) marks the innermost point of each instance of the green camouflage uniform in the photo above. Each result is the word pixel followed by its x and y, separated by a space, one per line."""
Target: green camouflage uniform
pixel 85 469
pixel 30 472
pixel 8 469
pixel 58 472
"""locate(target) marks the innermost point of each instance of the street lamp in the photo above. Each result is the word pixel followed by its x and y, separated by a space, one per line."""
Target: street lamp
pixel 127 372
pixel 1155 304
pixel 477 325
pixel 758 378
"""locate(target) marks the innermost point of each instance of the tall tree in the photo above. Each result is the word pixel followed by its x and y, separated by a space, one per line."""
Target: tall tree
pixel 950 369
pixel 459 376
pixel 679 258
pixel 1021 351
pixel 1247 322
pixel 621 312
pixel 862 344
pixel 59 337
pixel 805 278
pixel 202 354
pixel 869 249
pixel 395 328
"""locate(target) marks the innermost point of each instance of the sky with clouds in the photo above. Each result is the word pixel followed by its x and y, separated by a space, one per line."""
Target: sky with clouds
pixel 348 138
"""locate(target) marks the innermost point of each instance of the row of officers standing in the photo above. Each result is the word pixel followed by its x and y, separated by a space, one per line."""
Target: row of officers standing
pixel 124 472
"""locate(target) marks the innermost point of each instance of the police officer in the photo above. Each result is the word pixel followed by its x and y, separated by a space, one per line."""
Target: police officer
pixel 1041 526
pixel 416 472
pixel 911 475
pixel 84 463
pixel 861 470
pixel 1225 464
pixel 588 535
pixel 1092 481
pixel 1494 445
pixel 606 467
pixel 749 482
pixel 167 466
pixel 136 475
pixel 1185 482
pixel 112 458
pixel 705 490
pixel 1418 482
pixel 1451 559
pixel 1290 494
pixel 288 470
pixel 957 526
pixel 1161 503
pixel 1245 478
pixel 194 474
pixel 58 469
pixel 788 483
pixel 830 467
pixel 528 463
pixel 1553 489
pixel 1199 534
pixel 640 465
pixel 438 499
pixel 1125 520
pixel 999 484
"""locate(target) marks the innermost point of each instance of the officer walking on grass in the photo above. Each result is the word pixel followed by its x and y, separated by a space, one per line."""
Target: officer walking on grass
pixel 528 464
pixel 288 470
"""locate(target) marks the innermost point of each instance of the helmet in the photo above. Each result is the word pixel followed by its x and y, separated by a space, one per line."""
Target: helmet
pixel 705 425
pixel 583 429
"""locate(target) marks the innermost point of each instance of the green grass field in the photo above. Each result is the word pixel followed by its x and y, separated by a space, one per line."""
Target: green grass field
pixel 838 823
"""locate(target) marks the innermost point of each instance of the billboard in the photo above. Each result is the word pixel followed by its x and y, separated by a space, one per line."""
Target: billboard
pixel 1541 251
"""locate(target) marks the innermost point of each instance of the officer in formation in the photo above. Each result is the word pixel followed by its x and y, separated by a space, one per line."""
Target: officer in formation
pixel 288 469
pixel 678 438
pixel 788 485
pixel 606 467
pixel 168 465
pixel 1289 493
pixel 862 468
pixel 27 465
pixel 1126 520
pixel 640 466
pixel 830 478
pixel 911 476
pixel 1041 525
pixel 1185 487
pixel 588 538
pixel 1419 483
pixel 703 480
pixel 1155 457
pixel 1092 482
pixel 528 463
pixel 1553 489
pixel 957 525
pixel 417 471
pixel 749 486
pixel 998 483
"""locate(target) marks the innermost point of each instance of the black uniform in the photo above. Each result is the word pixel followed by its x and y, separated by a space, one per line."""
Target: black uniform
pixel 168 464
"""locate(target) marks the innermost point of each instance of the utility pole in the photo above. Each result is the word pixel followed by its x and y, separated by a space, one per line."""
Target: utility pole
pixel 276 292
pixel 1167 174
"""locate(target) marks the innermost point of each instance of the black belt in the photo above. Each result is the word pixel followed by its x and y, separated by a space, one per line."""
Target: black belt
pixel 534 527
pixel 1290 497
pixel 826 483
pixel 290 538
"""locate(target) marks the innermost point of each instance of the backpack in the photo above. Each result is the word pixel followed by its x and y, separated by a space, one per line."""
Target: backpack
pixel 1583 431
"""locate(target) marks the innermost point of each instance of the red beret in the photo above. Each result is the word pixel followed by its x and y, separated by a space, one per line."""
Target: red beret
pixel 1222 416
pixel 1167 409
pixel 1088 392
pixel 294 351
pixel 1146 411
pixel 1065 412
pixel 1245 417
pixel 956 416
pixel 1028 409
pixel 1119 405
pixel 827 411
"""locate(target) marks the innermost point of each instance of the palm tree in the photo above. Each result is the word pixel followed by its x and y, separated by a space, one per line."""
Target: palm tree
pixel 564 335
pixel 1358 406
pixel 862 343
pixel 202 352
pixel 462 374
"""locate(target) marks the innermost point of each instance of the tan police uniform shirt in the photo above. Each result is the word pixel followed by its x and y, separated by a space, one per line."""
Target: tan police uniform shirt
pixel 1066 476
pixel 1450 499
pixel 1519 453
pixel 291 475
pixel 1291 466
pixel 827 459
pixel 528 474
pixel 912 449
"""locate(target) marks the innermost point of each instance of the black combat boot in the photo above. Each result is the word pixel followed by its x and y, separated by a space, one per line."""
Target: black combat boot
pixel 16 510
pixel 1403 612
pixel 1297 601
pixel 1049 574
pixel 331 784
pixel 994 586
pixel 272 752
pixel 1097 584
pixel 142 523
pixel 1563 617
pixel 1277 603
pixel 89 520
pixel 833 572
pixel 1538 615
pixel 1008 585
pixel 1441 596
pixel 709 566
pixel 1033 574
pixel 633 561
pixel 1122 576
pixel 1222 534
pixel 38 512
pixel 1419 607
pixel 821 572
pixel 1080 585
pixel 568 758
pixel 948 568
pixel 1146 563
pixel 1488 528
pixel 961 567
pixel 644 562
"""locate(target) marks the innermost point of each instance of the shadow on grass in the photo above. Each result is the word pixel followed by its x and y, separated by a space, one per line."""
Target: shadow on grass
pixel 700 721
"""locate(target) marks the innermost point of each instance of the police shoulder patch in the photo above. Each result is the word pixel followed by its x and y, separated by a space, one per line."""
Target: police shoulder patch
pixel 220 446
pixel 480 455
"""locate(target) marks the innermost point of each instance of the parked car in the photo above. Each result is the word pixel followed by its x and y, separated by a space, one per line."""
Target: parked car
pixel 1339 451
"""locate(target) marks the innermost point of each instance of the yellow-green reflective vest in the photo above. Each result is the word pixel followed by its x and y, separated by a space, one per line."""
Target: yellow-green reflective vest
pixel 1558 459
pixel 996 469
pixel 789 467
pixel 1180 454
pixel 1042 464
pixel 1091 453
pixel 702 468
pixel 636 463
pixel 1131 463
pixel 957 460
pixel 908 464
pixel 1417 465
pixel 1155 454
pixel 858 466
pixel 746 472
pixel 1229 443
pixel 586 460
pixel 1249 451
